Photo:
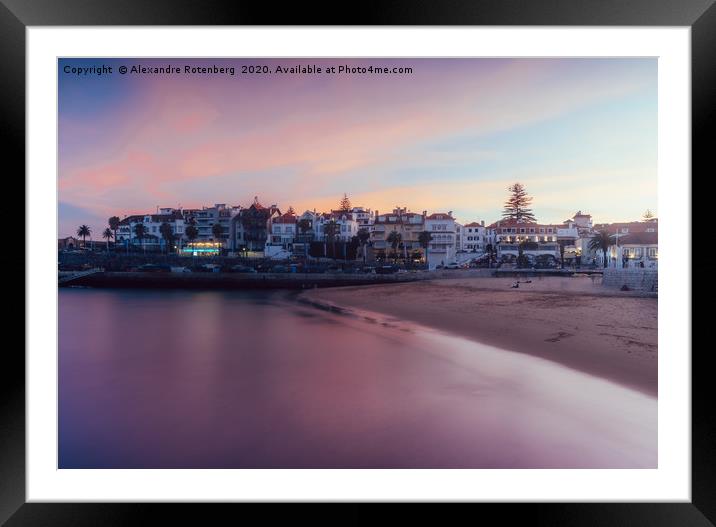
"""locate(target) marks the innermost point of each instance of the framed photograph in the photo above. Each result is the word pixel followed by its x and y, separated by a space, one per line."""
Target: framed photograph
pixel 411 259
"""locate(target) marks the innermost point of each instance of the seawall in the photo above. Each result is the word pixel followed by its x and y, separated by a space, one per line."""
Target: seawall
pixel 646 280
pixel 233 280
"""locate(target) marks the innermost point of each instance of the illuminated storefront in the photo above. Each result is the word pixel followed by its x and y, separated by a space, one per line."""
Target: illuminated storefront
pixel 202 248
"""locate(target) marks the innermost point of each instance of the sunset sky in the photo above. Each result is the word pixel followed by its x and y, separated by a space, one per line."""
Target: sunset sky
pixel 580 134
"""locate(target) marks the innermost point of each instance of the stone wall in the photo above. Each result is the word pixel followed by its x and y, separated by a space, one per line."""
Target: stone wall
pixel 635 279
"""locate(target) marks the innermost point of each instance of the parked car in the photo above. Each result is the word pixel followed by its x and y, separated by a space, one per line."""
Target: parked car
pixel 452 265
pixel 386 269
pixel 206 268
pixel 241 269
pixel 280 269
pixel 153 268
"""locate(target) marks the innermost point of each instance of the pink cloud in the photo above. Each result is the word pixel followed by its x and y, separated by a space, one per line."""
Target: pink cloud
pixel 180 132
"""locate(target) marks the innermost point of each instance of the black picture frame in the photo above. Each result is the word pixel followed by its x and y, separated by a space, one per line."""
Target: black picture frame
pixel 699 15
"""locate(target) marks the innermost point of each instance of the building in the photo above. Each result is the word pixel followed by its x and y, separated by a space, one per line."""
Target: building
pixel 250 227
pixel 364 217
pixel 68 244
pixel 506 236
pixel 205 218
pixel 634 250
pixel 443 242
pixel 152 239
pixel 473 237
pixel 636 232
pixel 279 243
pixel 347 224
pixel 407 224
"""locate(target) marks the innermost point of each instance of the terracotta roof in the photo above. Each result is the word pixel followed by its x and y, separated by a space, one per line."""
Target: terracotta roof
pixel 439 216
pixel 473 224
pixel 633 226
pixel 524 224
pixel 637 238
pixel 285 218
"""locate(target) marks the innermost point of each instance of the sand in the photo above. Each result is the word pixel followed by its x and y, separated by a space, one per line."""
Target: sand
pixel 573 321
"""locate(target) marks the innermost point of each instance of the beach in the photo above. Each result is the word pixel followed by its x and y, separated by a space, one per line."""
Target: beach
pixel 573 321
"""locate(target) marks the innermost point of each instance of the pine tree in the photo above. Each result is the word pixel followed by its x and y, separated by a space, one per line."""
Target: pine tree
pixel 517 205
pixel 648 215
pixel 290 211
pixel 345 203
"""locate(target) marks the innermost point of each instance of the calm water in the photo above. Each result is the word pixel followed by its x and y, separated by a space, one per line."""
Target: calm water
pixel 157 379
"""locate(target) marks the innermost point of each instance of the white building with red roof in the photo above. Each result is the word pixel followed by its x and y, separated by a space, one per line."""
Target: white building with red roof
pixel 279 242
pixel 443 242
pixel 635 244
pixel 347 224
pixel 472 237
pixel 506 236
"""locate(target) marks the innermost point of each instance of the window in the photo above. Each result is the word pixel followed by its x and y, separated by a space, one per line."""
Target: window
pixel 625 230
pixel 522 231
pixel 652 252
pixel 532 230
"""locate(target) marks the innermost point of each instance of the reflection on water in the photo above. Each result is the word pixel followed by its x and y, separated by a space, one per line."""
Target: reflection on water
pixel 178 379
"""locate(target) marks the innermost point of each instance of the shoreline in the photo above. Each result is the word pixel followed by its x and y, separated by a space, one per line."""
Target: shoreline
pixel 600 332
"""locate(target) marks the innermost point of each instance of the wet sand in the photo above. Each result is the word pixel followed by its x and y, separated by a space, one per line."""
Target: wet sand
pixel 573 321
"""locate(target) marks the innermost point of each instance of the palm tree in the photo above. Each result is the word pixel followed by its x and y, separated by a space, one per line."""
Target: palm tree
pixel 191 233
pixel 394 239
pixel 562 245
pixel 521 253
pixel 107 235
pixel 424 241
pixel 331 230
pixel 140 231
pixel 114 225
pixel 601 242
pixel 525 245
pixel 84 231
pixel 363 237
pixel 304 225
pixel 167 233
pixel 217 230
pixel 489 250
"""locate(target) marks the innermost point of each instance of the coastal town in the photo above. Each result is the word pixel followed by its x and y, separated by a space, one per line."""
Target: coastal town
pixel 427 240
